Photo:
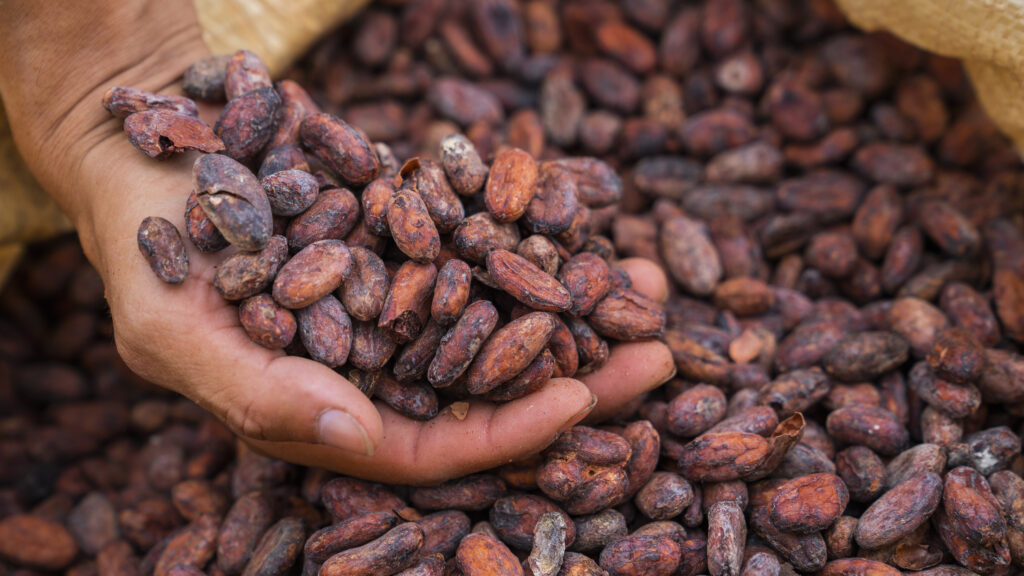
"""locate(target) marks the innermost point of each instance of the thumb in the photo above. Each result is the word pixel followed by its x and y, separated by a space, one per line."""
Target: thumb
pixel 292 399
pixel 447 446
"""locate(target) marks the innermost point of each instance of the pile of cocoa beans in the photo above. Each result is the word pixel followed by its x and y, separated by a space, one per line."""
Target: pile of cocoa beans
pixel 311 259
pixel 844 233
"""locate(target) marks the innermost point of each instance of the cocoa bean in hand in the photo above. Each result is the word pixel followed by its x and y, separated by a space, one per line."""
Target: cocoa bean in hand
pixel 342 148
pixel 460 345
pixel 372 346
pixel 160 133
pixel 407 305
pixel 266 322
pixel 161 245
pixel 414 360
pixel 810 503
pixel 123 101
pixel 248 122
pixel 511 185
pixel 326 331
pixel 365 287
pixel 480 233
pixel 530 380
pixel 451 292
pixel 509 351
pixel 332 216
pixel 316 271
pixel 201 230
pixel 244 72
pixel 627 315
pixel 587 278
pixel 527 283
pixel 411 227
pixel 290 192
pixel 413 400
pixel 462 164
pixel 233 200
pixel 204 80
pixel 246 274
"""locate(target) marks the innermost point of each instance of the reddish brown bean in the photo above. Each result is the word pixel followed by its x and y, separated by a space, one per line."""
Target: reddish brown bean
pixel 407 306
pixel 460 345
pixel 266 322
pixel 315 272
pixel 160 243
pixel 342 148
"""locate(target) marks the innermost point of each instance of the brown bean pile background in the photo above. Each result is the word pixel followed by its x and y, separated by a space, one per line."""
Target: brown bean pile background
pixel 844 233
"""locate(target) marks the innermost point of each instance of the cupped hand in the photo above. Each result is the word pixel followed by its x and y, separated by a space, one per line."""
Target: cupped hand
pixel 187 338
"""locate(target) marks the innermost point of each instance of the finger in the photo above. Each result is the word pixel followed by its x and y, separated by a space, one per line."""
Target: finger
pixel 648 278
pixel 491 435
pixel 632 369
pixel 292 399
pixel 445 447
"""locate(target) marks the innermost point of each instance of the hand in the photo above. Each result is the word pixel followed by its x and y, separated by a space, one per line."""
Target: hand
pixel 187 338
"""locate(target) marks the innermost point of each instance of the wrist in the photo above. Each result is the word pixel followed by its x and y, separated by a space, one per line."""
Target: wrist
pixel 56 62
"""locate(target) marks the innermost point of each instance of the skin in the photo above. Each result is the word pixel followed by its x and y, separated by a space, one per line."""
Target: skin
pixel 56 61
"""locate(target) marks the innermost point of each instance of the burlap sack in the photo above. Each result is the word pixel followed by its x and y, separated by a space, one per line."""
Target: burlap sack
pixel 986 34
pixel 278 30
pixel 26 213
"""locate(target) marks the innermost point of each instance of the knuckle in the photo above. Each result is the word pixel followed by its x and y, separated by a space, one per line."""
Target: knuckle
pixel 246 420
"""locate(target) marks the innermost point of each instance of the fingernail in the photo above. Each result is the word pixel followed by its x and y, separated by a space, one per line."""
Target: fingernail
pixel 671 375
pixel 339 429
pixel 577 417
